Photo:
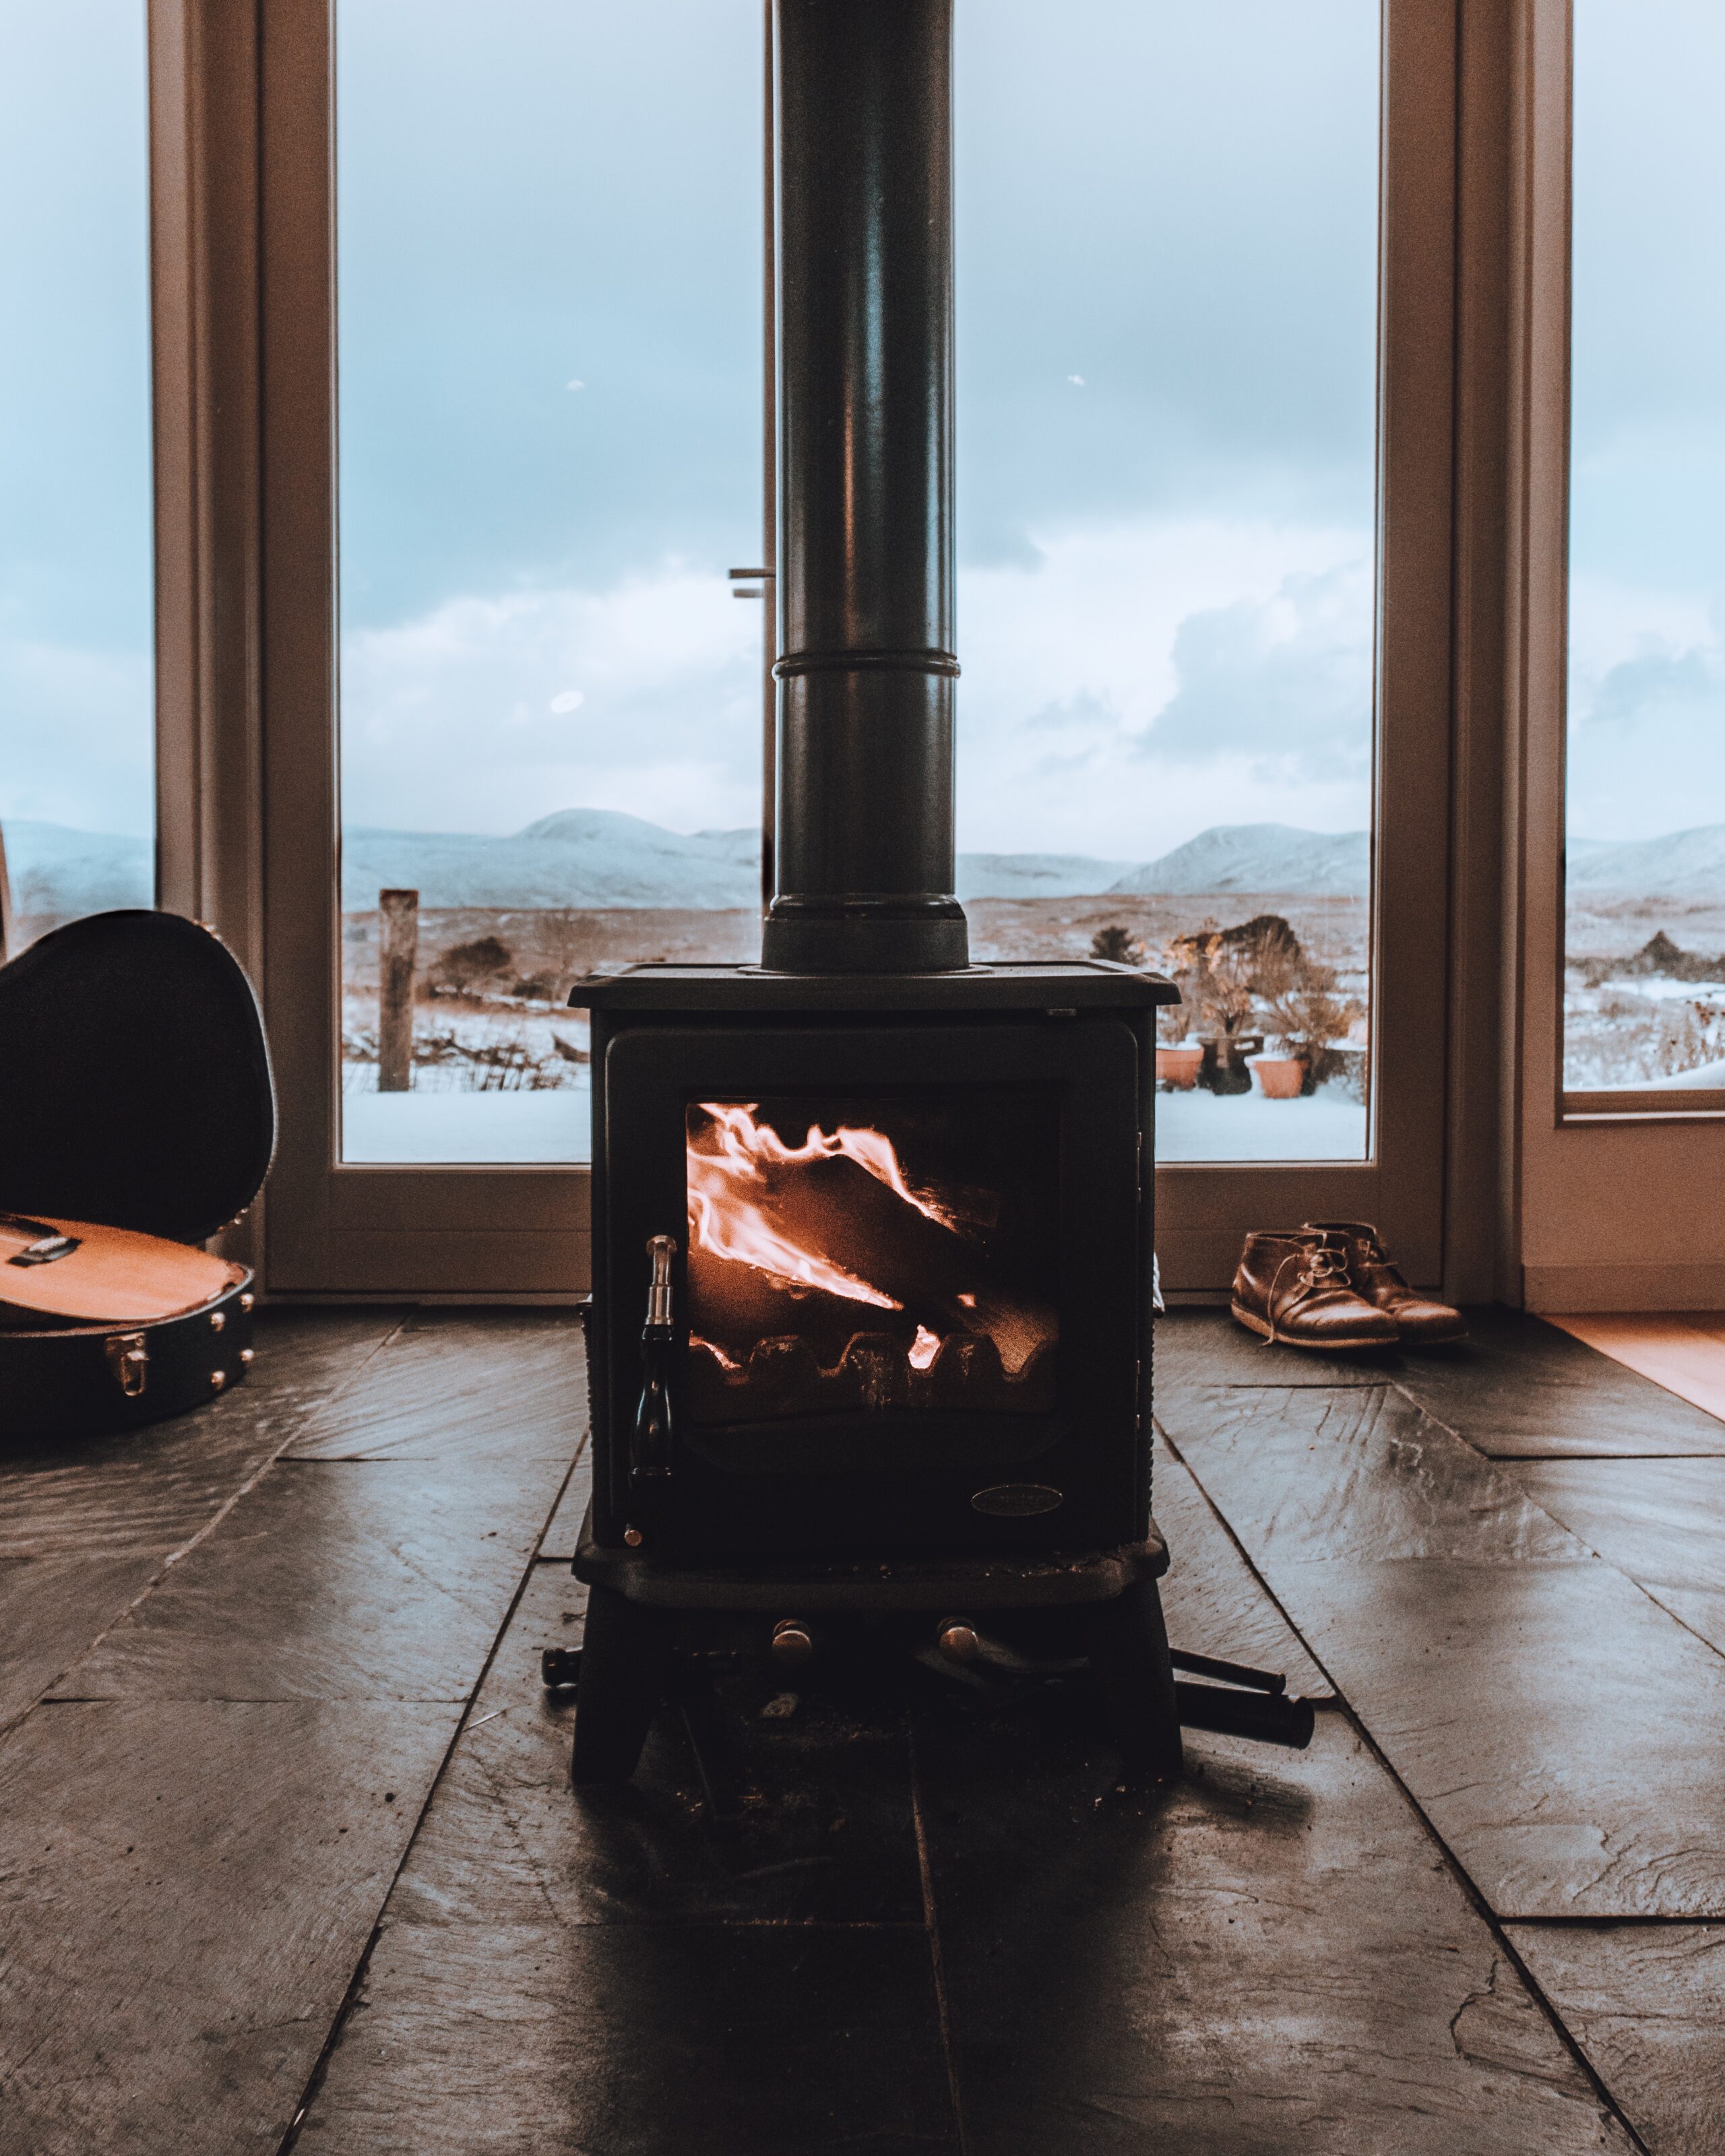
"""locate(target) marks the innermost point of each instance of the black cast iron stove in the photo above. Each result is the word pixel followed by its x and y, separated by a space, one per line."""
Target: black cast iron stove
pixel 897 1362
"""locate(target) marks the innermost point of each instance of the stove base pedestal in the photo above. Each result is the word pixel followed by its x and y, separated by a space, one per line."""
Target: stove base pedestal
pixel 635 1601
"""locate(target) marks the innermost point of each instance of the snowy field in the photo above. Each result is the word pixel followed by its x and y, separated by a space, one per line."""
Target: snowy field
pixel 515 1129
pixel 1216 1127
pixel 510 1130
pixel 1651 1031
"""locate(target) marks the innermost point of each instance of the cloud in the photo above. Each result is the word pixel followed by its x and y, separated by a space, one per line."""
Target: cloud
pixel 1286 680
pixel 1656 682
pixel 458 719
pixel 1647 747
pixel 1253 637
pixel 76 735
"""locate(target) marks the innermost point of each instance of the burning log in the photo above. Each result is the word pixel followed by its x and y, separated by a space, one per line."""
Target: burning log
pixel 803 1241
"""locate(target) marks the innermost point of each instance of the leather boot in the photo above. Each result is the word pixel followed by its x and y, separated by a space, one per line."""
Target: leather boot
pixel 1424 1322
pixel 1292 1287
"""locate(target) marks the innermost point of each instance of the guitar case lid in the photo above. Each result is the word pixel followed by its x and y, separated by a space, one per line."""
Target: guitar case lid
pixel 135 1083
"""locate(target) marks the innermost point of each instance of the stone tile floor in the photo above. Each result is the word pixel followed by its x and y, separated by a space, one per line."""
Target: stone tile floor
pixel 289 1859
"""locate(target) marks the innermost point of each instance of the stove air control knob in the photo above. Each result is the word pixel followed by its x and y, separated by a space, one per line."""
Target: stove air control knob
pixel 792 1643
pixel 959 1641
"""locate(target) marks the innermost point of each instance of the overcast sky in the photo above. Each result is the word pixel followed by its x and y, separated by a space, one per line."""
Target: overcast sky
pixel 1647 504
pixel 550 395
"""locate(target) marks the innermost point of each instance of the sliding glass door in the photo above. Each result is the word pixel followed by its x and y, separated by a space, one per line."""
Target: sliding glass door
pixel 77 675
pixel 549 331
pixel 1644 1006
pixel 513 719
pixel 1202 708
pixel 532 730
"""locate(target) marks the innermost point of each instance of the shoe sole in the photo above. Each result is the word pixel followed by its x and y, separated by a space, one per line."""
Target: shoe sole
pixel 1434 1339
pixel 1256 1324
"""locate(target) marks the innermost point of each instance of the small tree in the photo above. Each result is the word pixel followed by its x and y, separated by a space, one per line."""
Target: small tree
pixel 1214 980
pixel 1117 945
pixel 1307 1013
pixel 467 966
pixel 1224 974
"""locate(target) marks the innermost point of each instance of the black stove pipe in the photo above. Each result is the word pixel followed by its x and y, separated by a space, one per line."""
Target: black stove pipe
pixel 863 846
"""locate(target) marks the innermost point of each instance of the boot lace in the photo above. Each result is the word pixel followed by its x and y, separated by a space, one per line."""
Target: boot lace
pixel 1321 1266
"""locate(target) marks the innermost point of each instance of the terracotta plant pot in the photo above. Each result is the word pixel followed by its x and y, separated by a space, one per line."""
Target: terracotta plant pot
pixel 1280 1077
pixel 1179 1066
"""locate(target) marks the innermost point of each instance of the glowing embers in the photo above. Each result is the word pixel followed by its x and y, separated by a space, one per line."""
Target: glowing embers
pixel 851 1255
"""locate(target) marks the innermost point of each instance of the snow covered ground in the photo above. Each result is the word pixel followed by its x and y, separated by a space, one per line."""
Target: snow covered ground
pixel 469 1129
pixel 1200 1126
pixel 1645 1030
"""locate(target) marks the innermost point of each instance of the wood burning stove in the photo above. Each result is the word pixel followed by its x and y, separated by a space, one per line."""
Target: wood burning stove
pixel 872 1225
pixel 911 1218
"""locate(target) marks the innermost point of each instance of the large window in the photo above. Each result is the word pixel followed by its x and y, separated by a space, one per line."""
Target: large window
pixel 77 782
pixel 1645 972
pixel 550 337
pixel 1168 339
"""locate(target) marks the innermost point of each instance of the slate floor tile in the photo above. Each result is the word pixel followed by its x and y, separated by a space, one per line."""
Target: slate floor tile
pixel 1555 1724
pixel 1660 1521
pixel 1646 2003
pixel 1517 1387
pixel 816 1823
pixel 1194 1347
pixel 345 1579
pixel 1273 1956
pixel 1213 1603
pixel 86 1525
pixel 474 2039
pixel 1359 1472
pixel 565 1528
pixel 185 1892
pixel 476 1387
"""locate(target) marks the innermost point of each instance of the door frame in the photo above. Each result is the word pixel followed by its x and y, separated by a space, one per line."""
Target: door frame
pixel 523 1232
pixel 1206 1208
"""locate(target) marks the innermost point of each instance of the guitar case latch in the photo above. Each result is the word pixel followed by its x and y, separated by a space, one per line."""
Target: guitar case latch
pixel 129 1359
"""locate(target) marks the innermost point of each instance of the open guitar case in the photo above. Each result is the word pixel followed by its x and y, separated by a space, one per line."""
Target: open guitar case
pixel 134 1092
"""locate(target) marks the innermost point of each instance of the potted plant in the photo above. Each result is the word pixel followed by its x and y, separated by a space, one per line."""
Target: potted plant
pixel 1280 1076
pixel 1178 1064
pixel 1179 1053
pixel 1214 978
pixel 1307 1015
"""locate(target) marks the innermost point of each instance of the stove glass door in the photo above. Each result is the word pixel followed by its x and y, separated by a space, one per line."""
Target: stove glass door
pixel 879 1252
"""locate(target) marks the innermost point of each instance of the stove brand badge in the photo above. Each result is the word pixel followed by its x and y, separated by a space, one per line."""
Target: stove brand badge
pixel 1017 1501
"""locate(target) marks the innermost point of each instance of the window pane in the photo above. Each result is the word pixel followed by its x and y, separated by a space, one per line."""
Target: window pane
pixel 1166 271
pixel 77 669
pixel 550 235
pixel 1644 984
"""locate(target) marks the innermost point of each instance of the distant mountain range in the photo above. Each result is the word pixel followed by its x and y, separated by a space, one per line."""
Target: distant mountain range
pixel 58 874
pixel 1258 857
pixel 598 857
pixel 1679 864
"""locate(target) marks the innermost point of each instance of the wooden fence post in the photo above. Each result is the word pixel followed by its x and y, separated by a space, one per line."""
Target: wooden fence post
pixel 398 961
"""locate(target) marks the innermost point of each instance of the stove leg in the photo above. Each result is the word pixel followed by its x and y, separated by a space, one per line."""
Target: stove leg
pixel 624 1660
pixel 1129 1660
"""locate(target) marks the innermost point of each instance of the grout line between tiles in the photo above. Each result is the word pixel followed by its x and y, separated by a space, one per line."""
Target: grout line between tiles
pixel 314 2080
pixel 1654 1922
pixel 208 1529
pixel 1494 1923
pixel 931 1924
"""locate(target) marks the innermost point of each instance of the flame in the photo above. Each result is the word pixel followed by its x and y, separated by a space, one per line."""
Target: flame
pixel 750 1147
pixel 736 1168
pixel 723 1222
